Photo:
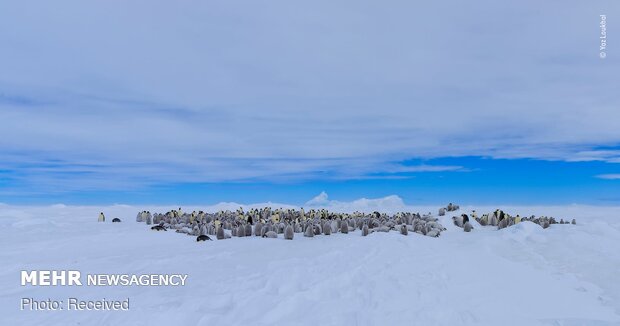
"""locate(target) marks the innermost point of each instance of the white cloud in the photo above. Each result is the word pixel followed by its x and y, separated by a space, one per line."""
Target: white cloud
pixel 310 90
pixel 609 176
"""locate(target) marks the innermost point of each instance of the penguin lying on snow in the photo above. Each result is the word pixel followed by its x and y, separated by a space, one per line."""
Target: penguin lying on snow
pixel 203 237
pixel 271 235
pixel 116 220
pixel 159 228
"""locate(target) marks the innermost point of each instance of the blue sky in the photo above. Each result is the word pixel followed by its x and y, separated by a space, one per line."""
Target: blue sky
pixel 250 101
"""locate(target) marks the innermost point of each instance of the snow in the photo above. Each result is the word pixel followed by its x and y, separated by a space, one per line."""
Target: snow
pixel 521 275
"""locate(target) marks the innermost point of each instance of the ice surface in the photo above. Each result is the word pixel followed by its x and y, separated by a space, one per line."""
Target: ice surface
pixel 521 275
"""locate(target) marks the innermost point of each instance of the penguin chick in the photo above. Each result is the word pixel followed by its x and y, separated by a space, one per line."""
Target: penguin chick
pixel 403 230
pixel 467 227
pixel 219 234
pixel 309 231
pixel 271 235
pixel 365 230
pixel 288 232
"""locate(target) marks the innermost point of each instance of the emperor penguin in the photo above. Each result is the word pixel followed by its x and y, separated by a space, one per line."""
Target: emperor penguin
pixel 288 232
pixel 248 229
pixel 257 228
pixel 271 235
pixel 573 222
pixel 503 223
pixel 467 227
pixel 149 219
pixel 344 228
pixel 365 230
pixel 403 229
pixel 203 237
pixel 309 231
pixel 219 234
pixel 116 220
pixel 327 229
pixel 101 217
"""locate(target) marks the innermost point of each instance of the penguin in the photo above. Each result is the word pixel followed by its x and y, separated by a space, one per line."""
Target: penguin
pixel 403 230
pixel 364 230
pixel 116 220
pixel 159 228
pixel 503 223
pixel 219 234
pixel 573 222
pixel 288 232
pixel 458 221
pixel 442 211
pixel 203 237
pixel 309 231
pixel 465 218
pixel 149 219
pixel 271 235
pixel 467 227
pixel 344 228
pixel 257 228
pixel 248 230
pixel 101 217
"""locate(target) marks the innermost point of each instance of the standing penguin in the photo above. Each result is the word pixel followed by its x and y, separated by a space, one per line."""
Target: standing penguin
pixel 403 230
pixel 149 219
pixel 344 228
pixel 219 234
pixel 467 227
pixel 365 230
pixel 101 217
pixel 248 229
pixel 309 231
pixel 288 232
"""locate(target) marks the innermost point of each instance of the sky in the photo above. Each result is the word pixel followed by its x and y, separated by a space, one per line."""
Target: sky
pixel 166 102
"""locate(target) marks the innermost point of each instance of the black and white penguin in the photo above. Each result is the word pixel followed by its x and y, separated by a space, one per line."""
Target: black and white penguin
pixel 159 228
pixel 116 220
pixel 101 217
pixel 203 237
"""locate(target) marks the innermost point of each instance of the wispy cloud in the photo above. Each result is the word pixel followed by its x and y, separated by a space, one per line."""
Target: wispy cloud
pixel 282 92
pixel 609 176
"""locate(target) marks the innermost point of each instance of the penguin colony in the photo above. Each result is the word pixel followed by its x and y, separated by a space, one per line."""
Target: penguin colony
pixel 270 223
pixel 287 223
pixel 503 220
